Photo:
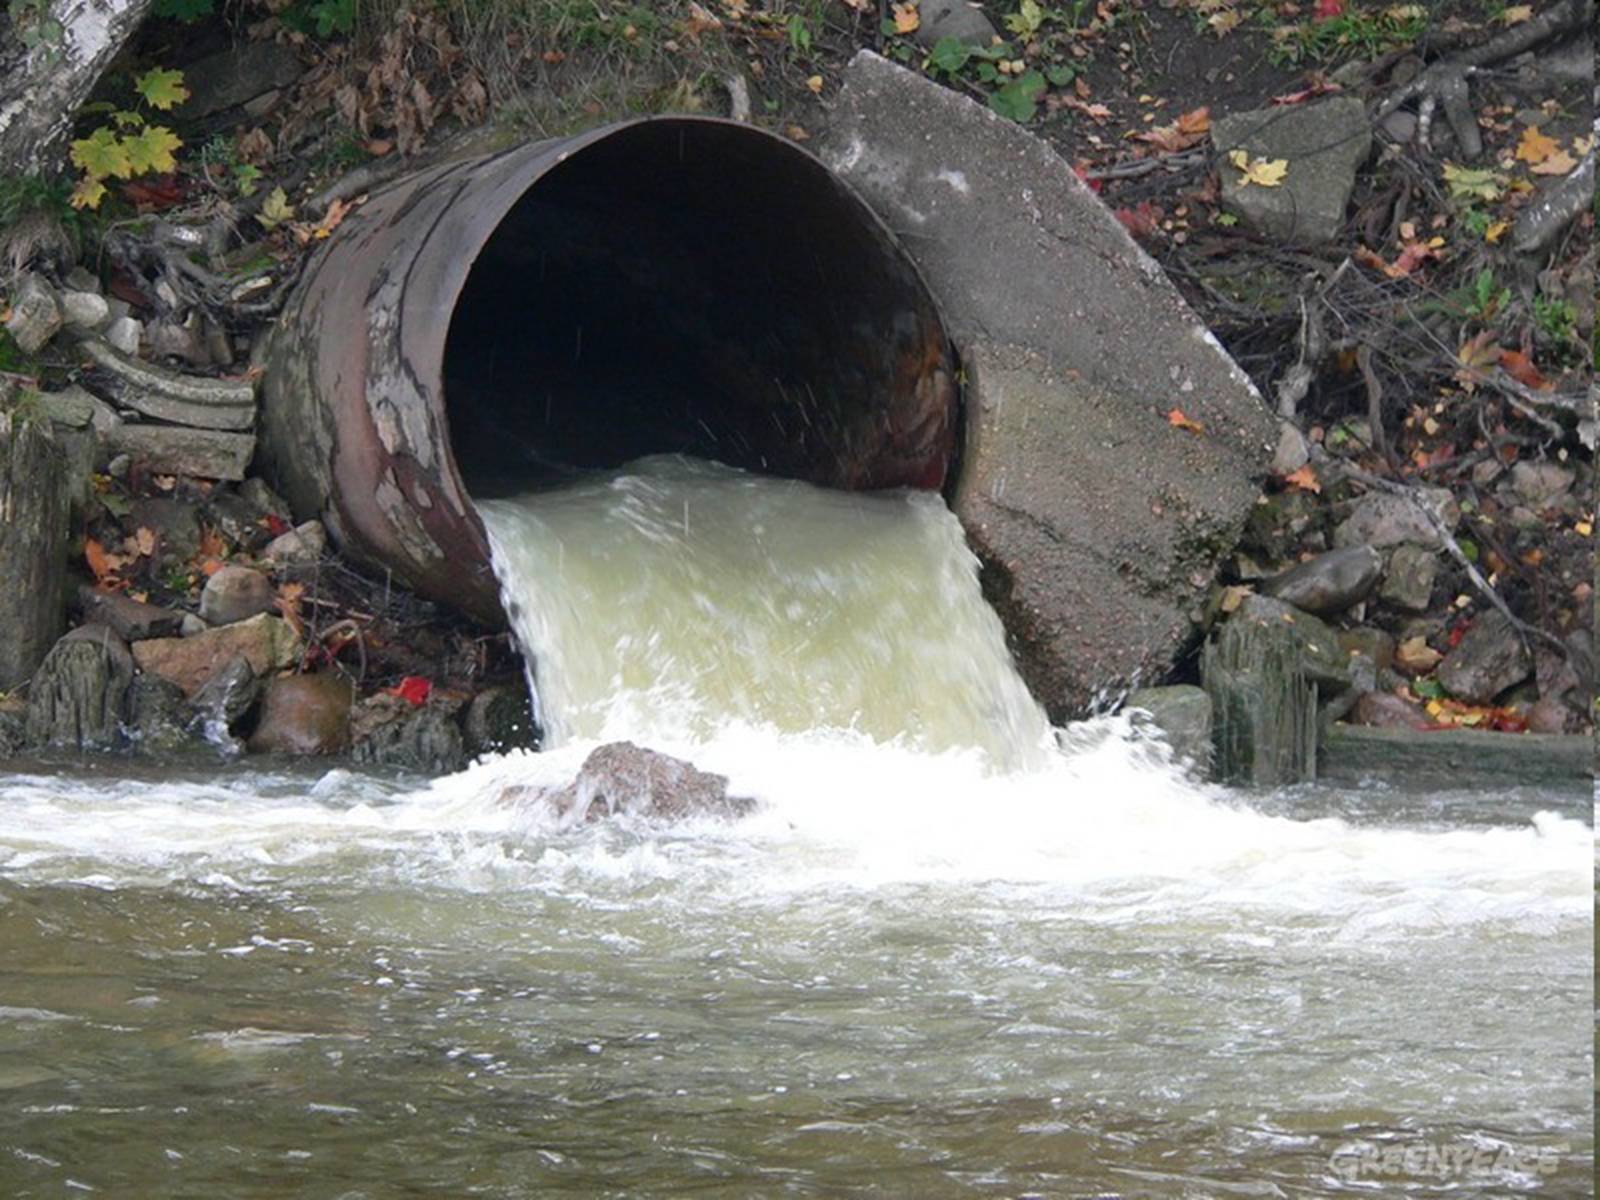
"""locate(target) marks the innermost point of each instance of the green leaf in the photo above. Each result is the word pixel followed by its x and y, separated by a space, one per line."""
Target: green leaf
pixel 949 55
pixel 161 89
pixel 1428 689
pixel 102 153
pixel 1469 549
pixel 1027 19
pixel 1468 184
pixel 1060 74
pixel 151 151
pixel 334 16
pixel 276 209
pixel 1019 98
pixel 245 176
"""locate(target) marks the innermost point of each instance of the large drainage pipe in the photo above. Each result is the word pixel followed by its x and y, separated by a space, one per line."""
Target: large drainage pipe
pixel 665 285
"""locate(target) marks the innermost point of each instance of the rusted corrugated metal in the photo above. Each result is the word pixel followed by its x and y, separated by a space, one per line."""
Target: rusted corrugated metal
pixel 356 419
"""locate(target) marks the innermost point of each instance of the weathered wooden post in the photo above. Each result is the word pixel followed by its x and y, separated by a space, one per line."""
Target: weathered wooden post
pixel 33 536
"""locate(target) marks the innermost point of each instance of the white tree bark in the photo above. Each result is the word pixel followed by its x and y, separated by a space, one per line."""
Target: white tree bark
pixel 42 86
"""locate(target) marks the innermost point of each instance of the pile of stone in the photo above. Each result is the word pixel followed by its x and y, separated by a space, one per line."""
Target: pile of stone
pixel 1369 618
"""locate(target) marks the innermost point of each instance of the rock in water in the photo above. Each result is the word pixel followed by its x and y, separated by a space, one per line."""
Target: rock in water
pixel 268 643
pixel 1329 583
pixel 33 535
pixel 161 719
pixel 390 731
pixel 621 778
pixel 1488 660
pixel 304 714
pixel 79 695
pixel 1182 713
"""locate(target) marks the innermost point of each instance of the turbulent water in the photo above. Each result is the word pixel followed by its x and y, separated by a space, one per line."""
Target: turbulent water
pixel 939 959
pixel 661 601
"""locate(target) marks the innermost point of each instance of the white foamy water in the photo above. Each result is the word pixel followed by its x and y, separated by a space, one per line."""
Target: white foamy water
pixel 675 595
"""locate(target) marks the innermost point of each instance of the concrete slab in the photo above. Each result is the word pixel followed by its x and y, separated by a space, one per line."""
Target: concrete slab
pixel 1100 522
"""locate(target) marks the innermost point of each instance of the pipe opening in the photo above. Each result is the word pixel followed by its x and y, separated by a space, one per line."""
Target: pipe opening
pixel 700 287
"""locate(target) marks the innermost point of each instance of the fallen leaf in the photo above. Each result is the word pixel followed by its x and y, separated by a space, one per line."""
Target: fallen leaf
pixel 288 597
pixel 144 541
pixel 1516 14
pixel 1558 163
pixel 1319 87
pixel 1233 597
pixel 1224 22
pixel 1536 146
pixel 701 20
pixel 797 133
pixel 815 84
pixel 103 563
pixel 275 210
pixel 906 17
pixel 1496 231
pixel 1412 255
pixel 1480 352
pixel 1178 419
pixel 1305 479
pixel 1190 129
pixel 1520 367
pixel 414 689
pixel 1262 172
pixel 1469 183
pixel 1328 9
pixel 1142 220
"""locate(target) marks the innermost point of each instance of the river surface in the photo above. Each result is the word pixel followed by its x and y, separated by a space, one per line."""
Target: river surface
pixel 930 963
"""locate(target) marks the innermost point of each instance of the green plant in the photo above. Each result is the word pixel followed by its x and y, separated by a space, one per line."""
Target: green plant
pixel 1485 300
pixel 128 144
pixel 799 31
pixel 220 161
pixel 1557 318
pixel 1027 20
pixel 1351 34
pixel 33 24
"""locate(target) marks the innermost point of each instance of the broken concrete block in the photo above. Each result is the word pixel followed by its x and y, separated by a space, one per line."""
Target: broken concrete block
pixel 1322 143
pixel 1099 521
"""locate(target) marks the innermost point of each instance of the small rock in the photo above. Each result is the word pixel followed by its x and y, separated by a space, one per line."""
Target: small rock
pixel 1486 471
pixel 1408 582
pixel 35 314
pixel 622 778
pixel 1382 520
pixel 84 310
pixel 305 543
pixel 500 719
pixel 1370 643
pixel 389 730
pixel 236 594
pixel 80 279
pixel 1182 714
pixel 227 697
pixel 959 19
pixel 1323 143
pixel 304 714
pixel 1415 657
pixel 259 494
pixel 132 620
pixel 239 522
pixel 1388 711
pixel 1401 126
pixel 79 695
pixel 170 340
pixel 1292 452
pixel 1279 525
pixel 1329 583
pixel 1489 659
pixel 13 733
pixel 175 524
pixel 191 625
pixel 1549 715
pixel 161 721
pixel 1539 485
pixel 119 465
pixel 125 334
pixel 268 643
pixel 76 408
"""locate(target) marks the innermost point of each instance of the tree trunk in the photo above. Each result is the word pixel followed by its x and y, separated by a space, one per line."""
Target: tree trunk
pixel 50 60
pixel 33 537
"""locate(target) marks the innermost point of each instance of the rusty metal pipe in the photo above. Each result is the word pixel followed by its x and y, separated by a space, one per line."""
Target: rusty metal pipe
pixel 672 284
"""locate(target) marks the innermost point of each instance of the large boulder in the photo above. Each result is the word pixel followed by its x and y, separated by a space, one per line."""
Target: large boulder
pixel 1490 658
pixel 621 778
pixel 1329 583
pixel 1181 714
pixel 304 714
pixel 1099 516
pixel 388 730
pixel 79 695
pixel 267 643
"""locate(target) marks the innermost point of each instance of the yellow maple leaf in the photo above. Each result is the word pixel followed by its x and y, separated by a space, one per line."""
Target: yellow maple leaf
pixel 1535 146
pixel 88 193
pixel 906 17
pixel 1225 22
pixel 1495 232
pixel 1558 163
pixel 1262 172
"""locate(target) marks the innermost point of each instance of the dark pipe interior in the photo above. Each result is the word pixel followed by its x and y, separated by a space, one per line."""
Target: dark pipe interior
pixel 700 288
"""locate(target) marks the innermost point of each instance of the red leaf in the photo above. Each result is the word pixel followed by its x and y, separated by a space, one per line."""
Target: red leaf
pixel 1142 220
pixel 413 689
pixel 1329 9
pixel 1520 367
